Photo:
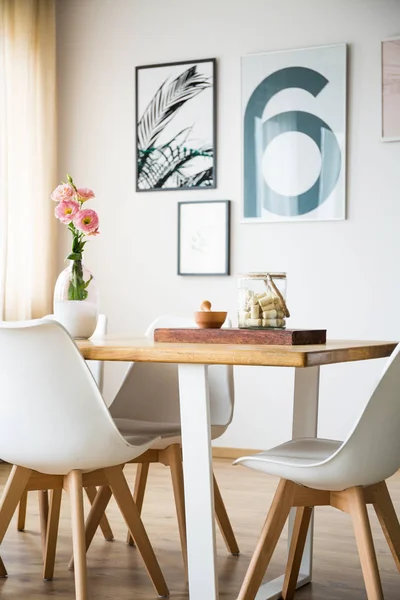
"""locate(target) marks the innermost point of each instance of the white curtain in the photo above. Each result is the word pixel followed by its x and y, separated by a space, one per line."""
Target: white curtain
pixel 28 156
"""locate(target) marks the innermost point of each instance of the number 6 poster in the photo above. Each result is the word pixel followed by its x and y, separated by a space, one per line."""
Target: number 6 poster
pixel 294 134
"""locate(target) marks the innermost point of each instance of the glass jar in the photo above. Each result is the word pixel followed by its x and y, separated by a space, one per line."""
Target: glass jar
pixel 76 300
pixel 262 301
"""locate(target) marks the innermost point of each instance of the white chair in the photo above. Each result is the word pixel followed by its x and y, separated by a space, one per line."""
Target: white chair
pixel 97 369
pixel 347 475
pixel 60 435
pixel 148 401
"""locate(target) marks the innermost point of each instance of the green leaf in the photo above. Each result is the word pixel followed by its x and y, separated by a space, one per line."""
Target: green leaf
pixel 74 256
pixel 169 98
pixel 69 178
pixel 167 101
pixel 88 281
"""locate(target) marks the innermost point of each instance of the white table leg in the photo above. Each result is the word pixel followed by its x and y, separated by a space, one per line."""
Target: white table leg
pixel 305 424
pixel 199 493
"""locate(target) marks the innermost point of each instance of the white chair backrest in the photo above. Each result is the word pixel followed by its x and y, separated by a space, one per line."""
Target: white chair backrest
pixel 97 366
pixel 53 417
pixel 371 452
pixel 150 391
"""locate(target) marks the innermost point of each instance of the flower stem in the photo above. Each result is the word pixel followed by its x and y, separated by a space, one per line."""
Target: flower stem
pixel 77 289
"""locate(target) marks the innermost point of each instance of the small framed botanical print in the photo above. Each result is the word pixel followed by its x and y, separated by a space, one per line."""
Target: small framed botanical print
pixel 204 238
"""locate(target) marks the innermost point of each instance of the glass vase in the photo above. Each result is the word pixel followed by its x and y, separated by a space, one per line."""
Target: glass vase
pixel 76 300
pixel 262 301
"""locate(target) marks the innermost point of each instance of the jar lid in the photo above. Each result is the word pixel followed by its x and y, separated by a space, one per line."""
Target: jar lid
pixel 281 275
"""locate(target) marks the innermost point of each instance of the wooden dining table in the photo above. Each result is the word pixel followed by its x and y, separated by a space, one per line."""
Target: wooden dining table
pixel 193 361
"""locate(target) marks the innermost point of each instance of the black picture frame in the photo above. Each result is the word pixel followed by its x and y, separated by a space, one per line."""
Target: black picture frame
pixel 139 169
pixel 225 230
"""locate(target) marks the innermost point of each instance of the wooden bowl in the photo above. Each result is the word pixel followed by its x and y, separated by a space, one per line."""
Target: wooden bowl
pixel 210 319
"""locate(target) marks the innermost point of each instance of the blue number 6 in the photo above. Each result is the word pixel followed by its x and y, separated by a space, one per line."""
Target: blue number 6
pixel 257 192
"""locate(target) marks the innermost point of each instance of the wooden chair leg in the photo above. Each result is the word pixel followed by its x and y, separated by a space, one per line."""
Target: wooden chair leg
pixel 142 472
pixel 91 493
pixel 299 536
pixel 275 521
pixel 52 534
pixel 22 512
pixel 127 506
pixel 93 520
pixel 3 570
pixel 224 522
pixel 386 513
pixel 73 483
pixel 12 494
pixel 174 458
pixel 365 544
pixel 43 516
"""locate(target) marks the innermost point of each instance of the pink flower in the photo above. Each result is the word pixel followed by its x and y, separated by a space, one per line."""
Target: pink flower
pixel 66 210
pixel 87 220
pixel 85 194
pixel 63 192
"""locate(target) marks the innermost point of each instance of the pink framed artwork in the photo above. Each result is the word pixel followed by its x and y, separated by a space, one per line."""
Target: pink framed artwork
pixel 390 90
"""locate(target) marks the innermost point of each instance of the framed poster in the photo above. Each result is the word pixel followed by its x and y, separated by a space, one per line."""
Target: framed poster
pixel 204 237
pixel 294 135
pixel 390 53
pixel 176 131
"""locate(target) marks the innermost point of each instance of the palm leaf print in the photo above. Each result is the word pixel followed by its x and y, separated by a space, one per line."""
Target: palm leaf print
pixel 164 165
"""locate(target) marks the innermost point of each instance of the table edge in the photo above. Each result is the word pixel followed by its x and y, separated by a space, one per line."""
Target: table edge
pixel 231 356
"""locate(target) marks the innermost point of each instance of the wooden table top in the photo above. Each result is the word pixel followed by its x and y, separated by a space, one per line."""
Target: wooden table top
pixel 118 348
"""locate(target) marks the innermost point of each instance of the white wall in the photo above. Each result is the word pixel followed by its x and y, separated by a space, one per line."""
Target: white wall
pixel 344 275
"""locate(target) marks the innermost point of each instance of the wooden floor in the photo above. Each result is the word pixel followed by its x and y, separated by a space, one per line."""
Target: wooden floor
pixel 116 570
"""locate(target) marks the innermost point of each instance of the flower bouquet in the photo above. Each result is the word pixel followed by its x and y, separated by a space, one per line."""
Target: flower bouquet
pixel 75 294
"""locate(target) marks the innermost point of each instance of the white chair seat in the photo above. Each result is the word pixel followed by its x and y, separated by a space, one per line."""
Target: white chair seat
pixel 302 452
pixel 170 433
pixel 306 461
pixel 129 427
